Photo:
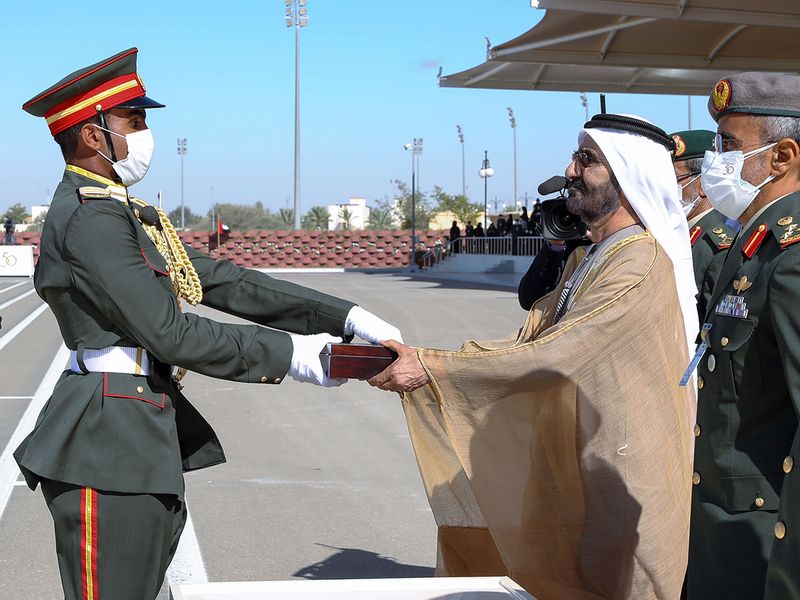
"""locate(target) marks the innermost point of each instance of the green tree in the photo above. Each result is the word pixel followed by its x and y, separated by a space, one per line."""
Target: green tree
pixel 316 218
pixel 403 206
pixel 191 219
pixel 245 217
pixel 380 217
pixel 346 217
pixel 286 216
pixel 459 205
pixel 17 213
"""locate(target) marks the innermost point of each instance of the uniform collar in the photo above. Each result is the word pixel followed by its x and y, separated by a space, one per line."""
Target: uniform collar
pixel 696 219
pixel 760 212
pixel 118 191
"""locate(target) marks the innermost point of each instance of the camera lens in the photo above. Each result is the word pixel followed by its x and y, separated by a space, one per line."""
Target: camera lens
pixel 559 223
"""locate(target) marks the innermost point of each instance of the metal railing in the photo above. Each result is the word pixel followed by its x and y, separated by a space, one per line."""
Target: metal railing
pixel 499 246
pixel 503 246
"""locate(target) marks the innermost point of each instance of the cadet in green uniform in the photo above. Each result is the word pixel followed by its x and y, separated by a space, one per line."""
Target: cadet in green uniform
pixel 110 445
pixel 709 233
pixel 745 528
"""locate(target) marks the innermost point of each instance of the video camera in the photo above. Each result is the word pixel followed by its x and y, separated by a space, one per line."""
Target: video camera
pixel 557 222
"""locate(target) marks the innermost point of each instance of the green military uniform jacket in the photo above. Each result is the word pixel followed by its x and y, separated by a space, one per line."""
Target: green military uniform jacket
pixel 710 236
pixel 107 285
pixel 745 527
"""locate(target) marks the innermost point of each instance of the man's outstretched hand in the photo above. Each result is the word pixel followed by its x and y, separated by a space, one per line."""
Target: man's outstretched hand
pixel 403 375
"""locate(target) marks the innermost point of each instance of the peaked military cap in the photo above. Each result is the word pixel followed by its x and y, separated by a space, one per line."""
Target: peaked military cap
pixel 110 83
pixel 692 144
pixel 756 93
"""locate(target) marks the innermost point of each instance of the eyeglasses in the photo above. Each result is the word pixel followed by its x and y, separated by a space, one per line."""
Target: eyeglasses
pixel 584 159
pixel 722 144
pixel 685 176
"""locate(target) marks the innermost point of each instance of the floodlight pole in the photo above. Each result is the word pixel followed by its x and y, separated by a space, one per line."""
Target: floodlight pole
pixel 297 17
pixel 513 123
pixel 182 145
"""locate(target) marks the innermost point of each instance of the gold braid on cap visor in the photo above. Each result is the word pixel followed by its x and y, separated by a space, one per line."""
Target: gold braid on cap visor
pixel 185 280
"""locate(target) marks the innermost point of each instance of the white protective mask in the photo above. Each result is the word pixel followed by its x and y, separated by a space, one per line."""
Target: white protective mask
pixel 133 167
pixel 687 206
pixel 721 178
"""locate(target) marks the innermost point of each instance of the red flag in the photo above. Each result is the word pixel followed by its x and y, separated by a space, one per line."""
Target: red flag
pixel 220 226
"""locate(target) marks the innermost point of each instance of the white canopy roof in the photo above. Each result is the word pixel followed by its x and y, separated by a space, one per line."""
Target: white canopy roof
pixel 641 46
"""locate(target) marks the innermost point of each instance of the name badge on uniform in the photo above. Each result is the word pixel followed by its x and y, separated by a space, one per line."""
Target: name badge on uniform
pixel 732 306
pixel 701 349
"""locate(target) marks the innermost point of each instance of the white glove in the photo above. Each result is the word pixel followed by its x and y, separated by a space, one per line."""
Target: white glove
pixel 369 327
pixel 306 366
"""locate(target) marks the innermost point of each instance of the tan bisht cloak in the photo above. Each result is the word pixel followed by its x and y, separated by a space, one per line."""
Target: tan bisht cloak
pixel 569 445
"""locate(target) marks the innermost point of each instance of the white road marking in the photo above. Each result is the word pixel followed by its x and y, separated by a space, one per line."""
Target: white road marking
pixel 16 299
pixel 11 287
pixel 19 327
pixel 187 564
pixel 9 471
pixel 15 397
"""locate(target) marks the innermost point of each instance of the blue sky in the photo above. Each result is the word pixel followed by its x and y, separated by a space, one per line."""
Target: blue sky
pixel 225 70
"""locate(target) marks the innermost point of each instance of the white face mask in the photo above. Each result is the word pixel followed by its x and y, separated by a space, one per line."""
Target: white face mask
pixel 133 167
pixel 687 206
pixel 721 178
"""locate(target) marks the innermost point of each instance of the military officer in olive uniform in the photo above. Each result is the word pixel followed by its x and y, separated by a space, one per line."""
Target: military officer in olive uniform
pixel 110 445
pixel 709 232
pixel 745 528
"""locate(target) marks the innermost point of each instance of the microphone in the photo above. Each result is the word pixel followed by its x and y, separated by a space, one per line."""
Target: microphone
pixel 554 184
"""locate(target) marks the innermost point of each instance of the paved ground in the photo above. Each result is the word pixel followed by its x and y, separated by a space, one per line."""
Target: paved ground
pixel 318 484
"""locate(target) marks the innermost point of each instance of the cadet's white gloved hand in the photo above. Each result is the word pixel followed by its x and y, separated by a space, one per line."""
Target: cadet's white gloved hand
pixel 306 366
pixel 369 327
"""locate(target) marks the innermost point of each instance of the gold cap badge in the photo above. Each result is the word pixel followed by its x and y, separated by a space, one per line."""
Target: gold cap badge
pixel 721 95
pixel 680 145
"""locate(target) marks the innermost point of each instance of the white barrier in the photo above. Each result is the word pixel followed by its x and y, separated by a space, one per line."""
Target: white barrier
pixel 428 588
pixel 16 261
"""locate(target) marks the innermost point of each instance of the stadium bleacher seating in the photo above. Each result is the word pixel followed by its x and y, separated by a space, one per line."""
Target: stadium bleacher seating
pixel 298 249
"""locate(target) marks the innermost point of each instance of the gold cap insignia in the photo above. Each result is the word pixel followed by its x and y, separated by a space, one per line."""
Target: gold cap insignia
pixel 740 285
pixel 721 96
pixel 785 221
pixel 680 145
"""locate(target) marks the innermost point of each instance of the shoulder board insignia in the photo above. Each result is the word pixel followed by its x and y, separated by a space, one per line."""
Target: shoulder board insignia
pixel 752 244
pixel 718 230
pixel 790 234
pixel 694 234
pixel 89 192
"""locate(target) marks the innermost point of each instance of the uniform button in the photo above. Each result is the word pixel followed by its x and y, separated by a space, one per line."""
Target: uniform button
pixel 724 341
pixel 264 379
pixel 140 389
pixel 695 478
pixel 759 502
pixel 276 380
pixel 788 464
pixel 700 383
pixel 712 363
pixel 696 430
pixel 780 530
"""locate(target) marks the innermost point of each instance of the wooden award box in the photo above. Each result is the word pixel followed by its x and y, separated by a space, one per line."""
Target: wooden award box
pixel 355 361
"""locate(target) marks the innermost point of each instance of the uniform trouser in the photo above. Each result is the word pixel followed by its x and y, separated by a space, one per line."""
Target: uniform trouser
pixel 113 546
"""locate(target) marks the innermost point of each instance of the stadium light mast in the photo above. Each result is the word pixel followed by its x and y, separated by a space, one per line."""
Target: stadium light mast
pixel 463 164
pixel 182 147
pixel 297 17
pixel 513 122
